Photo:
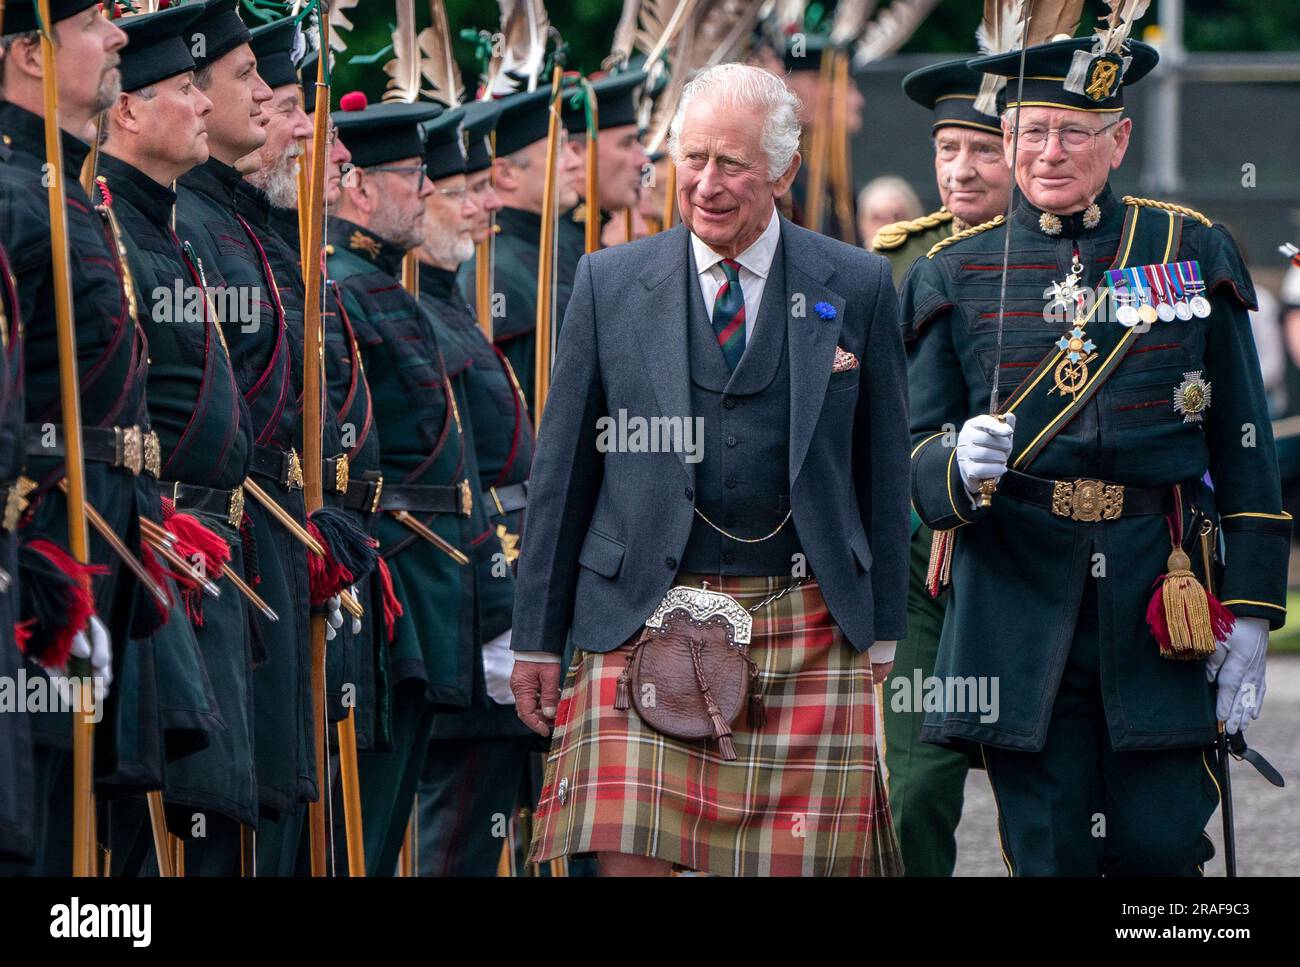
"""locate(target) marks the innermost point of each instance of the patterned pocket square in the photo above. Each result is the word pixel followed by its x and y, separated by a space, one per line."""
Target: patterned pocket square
pixel 844 360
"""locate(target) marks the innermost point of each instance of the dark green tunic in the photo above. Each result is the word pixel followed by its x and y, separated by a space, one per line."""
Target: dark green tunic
pixel 1019 571
pixel 205 437
pixel 235 262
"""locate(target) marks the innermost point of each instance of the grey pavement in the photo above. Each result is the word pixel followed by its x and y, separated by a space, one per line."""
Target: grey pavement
pixel 1267 818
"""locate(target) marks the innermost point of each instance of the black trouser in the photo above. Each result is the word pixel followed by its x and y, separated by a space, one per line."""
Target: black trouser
pixel 1079 808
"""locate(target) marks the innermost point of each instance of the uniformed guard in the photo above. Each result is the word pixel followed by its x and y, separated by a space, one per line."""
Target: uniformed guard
pixel 350 552
pixel 155 132
pixel 519 175
pixel 17 785
pixel 927 783
pixel 477 759
pixel 426 458
pixel 111 358
pixel 1133 377
pixel 253 320
pixel 620 156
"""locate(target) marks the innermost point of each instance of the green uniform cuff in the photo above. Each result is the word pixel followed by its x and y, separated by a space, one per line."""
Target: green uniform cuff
pixel 1257 549
pixel 938 495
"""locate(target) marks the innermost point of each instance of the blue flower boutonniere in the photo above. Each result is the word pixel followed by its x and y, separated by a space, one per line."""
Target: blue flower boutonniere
pixel 825 310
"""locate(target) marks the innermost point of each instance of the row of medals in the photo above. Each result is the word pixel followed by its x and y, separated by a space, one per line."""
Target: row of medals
pixel 1134 309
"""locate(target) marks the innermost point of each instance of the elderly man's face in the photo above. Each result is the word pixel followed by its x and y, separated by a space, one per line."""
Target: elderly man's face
pixel 883 206
pixel 971 172
pixel 483 201
pixel 173 123
pixel 620 158
pixel 723 189
pixel 448 238
pixel 277 159
pixel 1064 174
pixel 398 200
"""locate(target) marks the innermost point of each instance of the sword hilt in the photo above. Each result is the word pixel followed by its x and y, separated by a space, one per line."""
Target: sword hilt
pixel 989 487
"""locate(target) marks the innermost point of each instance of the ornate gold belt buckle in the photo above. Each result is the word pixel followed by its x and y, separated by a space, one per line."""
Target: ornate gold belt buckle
pixel 295 471
pixel 235 512
pixel 466 499
pixel 1087 500
pixel 129 444
pixel 341 474
pixel 16 501
pixel 153 454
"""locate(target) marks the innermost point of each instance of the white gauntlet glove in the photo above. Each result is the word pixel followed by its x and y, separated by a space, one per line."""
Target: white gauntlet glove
pixel 1237 666
pixel 91 643
pixel 983 447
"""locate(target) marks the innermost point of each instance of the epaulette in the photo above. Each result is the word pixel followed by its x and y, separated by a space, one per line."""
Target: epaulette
pixel 964 233
pixel 1165 206
pixel 894 234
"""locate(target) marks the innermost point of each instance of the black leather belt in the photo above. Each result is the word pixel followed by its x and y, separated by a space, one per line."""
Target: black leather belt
pixel 1086 500
pixel 127 447
pixel 282 466
pixel 458 499
pixel 228 504
pixel 334 474
pixel 506 500
pixel 364 494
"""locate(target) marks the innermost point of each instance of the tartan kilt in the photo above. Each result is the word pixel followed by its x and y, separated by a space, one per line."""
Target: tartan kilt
pixel 803 797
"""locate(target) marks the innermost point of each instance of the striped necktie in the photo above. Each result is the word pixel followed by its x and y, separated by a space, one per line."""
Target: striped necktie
pixel 729 314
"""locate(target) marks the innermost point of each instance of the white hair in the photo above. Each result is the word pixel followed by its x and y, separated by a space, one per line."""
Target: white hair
pixel 746 86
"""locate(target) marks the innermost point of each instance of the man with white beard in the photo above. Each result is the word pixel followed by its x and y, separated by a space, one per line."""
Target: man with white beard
pixel 478 758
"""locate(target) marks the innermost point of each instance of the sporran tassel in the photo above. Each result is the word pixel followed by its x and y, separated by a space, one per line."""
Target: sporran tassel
pixel 1186 620
pixel 938 575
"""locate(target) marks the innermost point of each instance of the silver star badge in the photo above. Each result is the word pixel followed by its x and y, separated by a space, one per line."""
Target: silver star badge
pixel 1192 397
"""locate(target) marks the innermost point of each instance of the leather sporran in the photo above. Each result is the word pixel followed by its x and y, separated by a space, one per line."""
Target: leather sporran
pixel 689 672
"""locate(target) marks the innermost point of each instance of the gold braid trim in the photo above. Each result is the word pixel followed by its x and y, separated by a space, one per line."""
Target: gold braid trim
pixel 974 230
pixel 1165 206
pixel 894 234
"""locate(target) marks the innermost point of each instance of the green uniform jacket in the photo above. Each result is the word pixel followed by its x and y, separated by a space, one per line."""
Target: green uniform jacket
pixel 204 662
pixel 422 443
pixel 112 364
pixel 502 437
pixel 236 266
pixel 1019 570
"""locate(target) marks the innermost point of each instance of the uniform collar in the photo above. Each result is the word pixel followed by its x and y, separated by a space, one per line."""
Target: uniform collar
pixel 253 203
pixel 438 283
pixel 151 199
pixel 366 244
pixel 520 224
pixel 213 178
pixel 757 258
pixel 1109 214
pixel 27 130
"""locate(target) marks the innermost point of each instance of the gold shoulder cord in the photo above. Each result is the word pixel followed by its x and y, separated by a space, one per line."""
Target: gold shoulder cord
pixel 893 235
pixel 128 284
pixel 974 230
pixel 1165 206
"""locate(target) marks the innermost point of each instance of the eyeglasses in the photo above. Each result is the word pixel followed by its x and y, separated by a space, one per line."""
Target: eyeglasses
pixel 456 193
pixel 421 170
pixel 1034 138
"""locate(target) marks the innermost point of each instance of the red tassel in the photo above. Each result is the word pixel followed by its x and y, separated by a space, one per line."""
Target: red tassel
pixel 80 604
pixel 23 634
pixel 327 576
pixel 204 548
pixel 392 606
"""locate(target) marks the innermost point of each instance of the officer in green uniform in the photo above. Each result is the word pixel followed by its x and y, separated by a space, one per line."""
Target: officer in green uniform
pixel 17 803
pixel 1115 402
pixel 426 455
pixel 478 758
pixel 621 159
pixel 927 783
pixel 519 178
pixel 255 327
pixel 153 136
pixel 112 373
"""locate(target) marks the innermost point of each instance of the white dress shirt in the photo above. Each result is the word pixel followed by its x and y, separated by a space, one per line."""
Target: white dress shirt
pixel 755 263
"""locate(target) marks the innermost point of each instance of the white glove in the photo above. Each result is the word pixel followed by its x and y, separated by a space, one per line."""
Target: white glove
pixel 1237 666
pixel 983 446
pixel 356 622
pixel 333 617
pixel 498 663
pixel 93 643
